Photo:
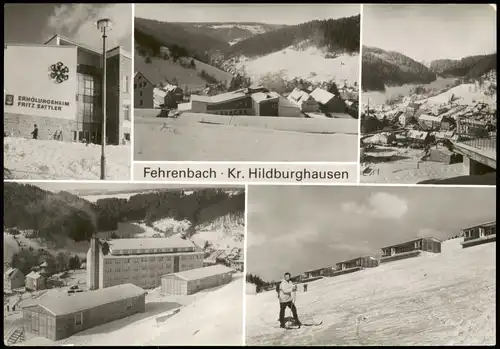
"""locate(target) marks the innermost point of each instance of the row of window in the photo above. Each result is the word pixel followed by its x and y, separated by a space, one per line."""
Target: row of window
pixel 153 250
pixel 234 112
pixel 151 259
pixel 137 269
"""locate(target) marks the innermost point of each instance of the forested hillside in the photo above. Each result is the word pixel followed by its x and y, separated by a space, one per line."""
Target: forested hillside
pixel 470 67
pixel 334 34
pixel 381 68
pixel 63 214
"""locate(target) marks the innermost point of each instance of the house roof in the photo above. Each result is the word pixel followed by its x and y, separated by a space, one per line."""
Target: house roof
pixel 261 96
pixel 322 96
pixel 149 243
pixel 415 134
pixel 198 98
pixel 426 117
pixel 34 275
pixel 486 224
pixel 202 273
pixel 226 97
pixel 64 304
pixel 299 95
pixel 12 271
pixel 144 76
pixel 411 241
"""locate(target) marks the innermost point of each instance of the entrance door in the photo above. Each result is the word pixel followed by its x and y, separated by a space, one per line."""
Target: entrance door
pixel 176 264
pixel 43 326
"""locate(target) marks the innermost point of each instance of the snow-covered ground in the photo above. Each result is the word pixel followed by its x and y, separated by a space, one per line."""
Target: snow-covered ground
pixel 48 159
pixel 94 198
pixel 309 64
pixel 406 167
pixel 213 317
pixel 465 94
pixel 181 141
pixel 435 299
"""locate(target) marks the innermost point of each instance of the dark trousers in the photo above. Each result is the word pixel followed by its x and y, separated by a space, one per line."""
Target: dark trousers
pixel 290 305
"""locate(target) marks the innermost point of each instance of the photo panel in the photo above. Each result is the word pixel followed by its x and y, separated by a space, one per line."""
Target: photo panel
pixel 64 73
pixel 246 82
pixel 120 264
pixel 429 97
pixel 370 266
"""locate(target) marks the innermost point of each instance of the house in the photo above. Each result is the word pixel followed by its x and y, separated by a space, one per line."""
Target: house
pixel 265 103
pixel 288 109
pixel 411 248
pixel 479 234
pixel 14 278
pixel 59 317
pixel 419 137
pixel 194 280
pixel 316 273
pixel 412 109
pixel 250 288
pixel 328 102
pixel 35 281
pixel 237 264
pixel 303 101
pixel 143 92
pixel 430 122
pixel 158 97
pixel 359 262
pixel 173 96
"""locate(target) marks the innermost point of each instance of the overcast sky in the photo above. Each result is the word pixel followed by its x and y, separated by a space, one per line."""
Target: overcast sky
pixel 36 23
pixel 299 228
pixel 262 13
pixel 428 32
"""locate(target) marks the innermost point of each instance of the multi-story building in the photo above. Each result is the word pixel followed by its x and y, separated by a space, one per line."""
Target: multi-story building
pixel 141 262
pixel 58 87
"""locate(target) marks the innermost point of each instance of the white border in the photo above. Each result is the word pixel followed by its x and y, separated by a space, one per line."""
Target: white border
pixel 360 90
pixel 245 242
pixel 132 117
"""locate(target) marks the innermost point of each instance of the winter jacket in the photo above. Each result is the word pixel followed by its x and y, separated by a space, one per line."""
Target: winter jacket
pixel 286 291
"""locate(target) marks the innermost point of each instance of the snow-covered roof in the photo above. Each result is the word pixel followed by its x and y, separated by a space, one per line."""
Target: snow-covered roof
pixel 261 96
pixel 159 92
pixel 322 96
pixel 11 272
pixel 170 88
pixel 415 134
pixel 149 243
pixel 426 117
pixel 199 98
pixel 202 273
pixel 34 275
pixel 65 304
pixel 226 97
pixel 298 95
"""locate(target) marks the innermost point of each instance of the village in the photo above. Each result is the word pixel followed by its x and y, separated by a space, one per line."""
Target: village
pixel 472 236
pixel 122 279
pixel 431 135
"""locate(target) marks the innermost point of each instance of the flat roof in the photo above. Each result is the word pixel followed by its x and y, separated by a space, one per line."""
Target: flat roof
pixel 65 304
pixel 355 259
pixel 150 243
pixel 201 273
pixel 414 240
pixel 486 224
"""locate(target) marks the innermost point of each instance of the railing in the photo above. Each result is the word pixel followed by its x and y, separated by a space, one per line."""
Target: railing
pixel 481 135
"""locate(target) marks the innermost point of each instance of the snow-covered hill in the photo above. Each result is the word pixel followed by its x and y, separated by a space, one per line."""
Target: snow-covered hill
pixel 467 94
pixel 46 159
pixel 435 299
pixel 309 64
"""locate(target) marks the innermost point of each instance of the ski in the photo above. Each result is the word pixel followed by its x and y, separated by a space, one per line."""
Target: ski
pixel 294 327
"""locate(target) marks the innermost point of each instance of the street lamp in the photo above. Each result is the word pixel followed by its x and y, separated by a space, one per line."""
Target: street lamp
pixel 103 25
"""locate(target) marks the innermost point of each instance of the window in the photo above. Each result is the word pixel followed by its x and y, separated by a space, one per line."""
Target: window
pixel 78 319
pixel 126 84
pixel 140 102
pixel 129 303
pixel 126 112
pixel 140 93
pixel 135 86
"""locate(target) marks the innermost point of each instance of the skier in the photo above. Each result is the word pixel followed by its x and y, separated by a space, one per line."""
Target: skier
pixel 305 287
pixel 286 287
pixel 35 132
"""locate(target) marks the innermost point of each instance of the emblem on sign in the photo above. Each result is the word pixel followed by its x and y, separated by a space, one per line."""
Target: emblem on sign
pixel 9 99
pixel 59 72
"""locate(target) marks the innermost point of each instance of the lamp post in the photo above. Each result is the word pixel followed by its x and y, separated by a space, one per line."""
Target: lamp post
pixel 103 25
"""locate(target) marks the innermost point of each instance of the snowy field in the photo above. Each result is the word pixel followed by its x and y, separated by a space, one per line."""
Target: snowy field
pixel 307 64
pixel 211 317
pixel 441 299
pixel 47 159
pixel 179 140
pixel 406 167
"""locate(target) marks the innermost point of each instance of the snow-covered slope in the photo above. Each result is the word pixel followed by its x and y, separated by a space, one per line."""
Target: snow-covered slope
pixel 435 299
pixel 44 159
pixel 465 94
pixel 309 64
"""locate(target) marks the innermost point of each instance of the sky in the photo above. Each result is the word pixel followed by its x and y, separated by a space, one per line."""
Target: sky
pixel 301 228
pixel 428 32
pixel 74 21
pixel 263 13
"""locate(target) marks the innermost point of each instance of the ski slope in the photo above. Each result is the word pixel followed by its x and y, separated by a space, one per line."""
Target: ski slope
pixel 434 299
pixel 48 159
pixel 309 64
pixel 465 94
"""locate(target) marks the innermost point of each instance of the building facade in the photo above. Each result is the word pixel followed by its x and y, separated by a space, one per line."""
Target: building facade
pixel 57 318
pixel 141 262
pixel 144 89
pixel 360 262
pixel 479 234
pixel 13 278
pixel 429 244
pixel 35 281
pixel 61 91
pixel 195 280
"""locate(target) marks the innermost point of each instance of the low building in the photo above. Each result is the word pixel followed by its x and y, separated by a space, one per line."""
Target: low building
pixel 412 109
pixel 14 278
pixel 419 137
pixel 59 317
pixel 303 101
pixel 140 261
pixel 195 280
pixel 265 103
pixel 430 122
pixel 174 95
pixel 411 248
pixel 359 262
pixel 318 273
pixel 35 281
pixel 328 102
pixel 479 234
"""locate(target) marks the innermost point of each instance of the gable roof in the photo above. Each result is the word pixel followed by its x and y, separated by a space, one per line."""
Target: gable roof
pixel 34 275
pixel 322 96
pixel 202 273
pixel 64 304
pixel 11 272
pixel 138 73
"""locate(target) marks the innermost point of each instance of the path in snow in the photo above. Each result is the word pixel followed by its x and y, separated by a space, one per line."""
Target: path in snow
pixel 44 159
pixel 435 299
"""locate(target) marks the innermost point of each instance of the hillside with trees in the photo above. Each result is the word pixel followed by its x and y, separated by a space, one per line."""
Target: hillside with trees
pixel 388 68
pixel 56 215
pixel 336 35
pixel 470 67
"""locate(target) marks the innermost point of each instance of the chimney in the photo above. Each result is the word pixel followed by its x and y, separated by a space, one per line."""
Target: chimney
pixel 93 264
